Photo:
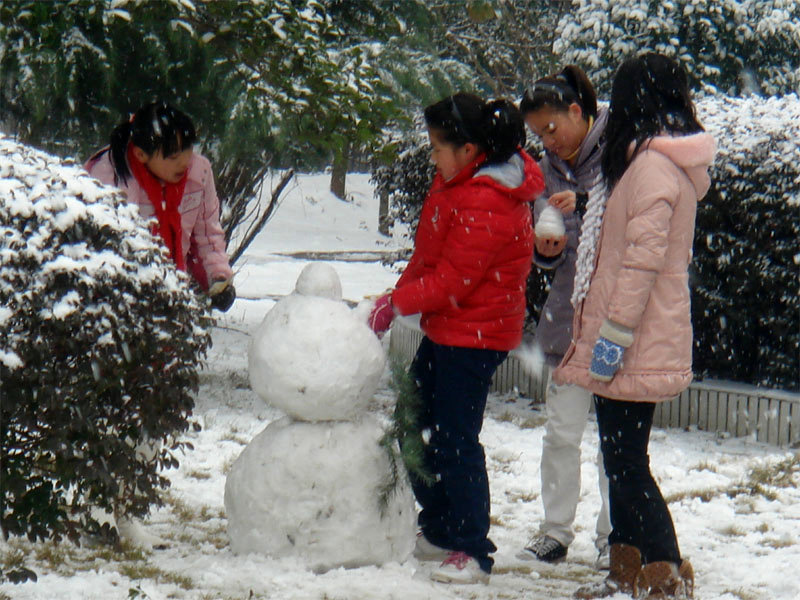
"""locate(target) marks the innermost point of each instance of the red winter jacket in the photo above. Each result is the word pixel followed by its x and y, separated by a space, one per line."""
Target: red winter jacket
pixel 472 255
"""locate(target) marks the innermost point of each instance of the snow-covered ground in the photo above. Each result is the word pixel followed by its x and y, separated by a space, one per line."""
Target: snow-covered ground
pixel 735 502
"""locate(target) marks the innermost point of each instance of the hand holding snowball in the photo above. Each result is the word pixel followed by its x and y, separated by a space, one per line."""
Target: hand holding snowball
pixel 381 317
pixel 565 201
pixel 550 231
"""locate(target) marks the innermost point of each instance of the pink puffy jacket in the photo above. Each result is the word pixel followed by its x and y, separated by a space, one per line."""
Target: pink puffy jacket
pixel 203 240
pixel 640 280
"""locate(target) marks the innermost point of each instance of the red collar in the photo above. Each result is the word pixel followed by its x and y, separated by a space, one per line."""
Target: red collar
pixel 166 199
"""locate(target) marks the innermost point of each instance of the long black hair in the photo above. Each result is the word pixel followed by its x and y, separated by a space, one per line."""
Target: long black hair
pixel 496 126
pixel 559 91
pixel 649 95
pixel 155 126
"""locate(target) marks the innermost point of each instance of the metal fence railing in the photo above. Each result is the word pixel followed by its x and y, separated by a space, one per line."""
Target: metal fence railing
pixel 771 416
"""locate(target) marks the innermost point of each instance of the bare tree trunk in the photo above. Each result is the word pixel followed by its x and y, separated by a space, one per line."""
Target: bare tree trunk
pixel 262 219
pixel 383 213
pixel 341 161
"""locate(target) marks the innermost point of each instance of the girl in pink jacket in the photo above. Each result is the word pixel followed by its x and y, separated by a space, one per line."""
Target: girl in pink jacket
pixel 151 159
pixel 632 332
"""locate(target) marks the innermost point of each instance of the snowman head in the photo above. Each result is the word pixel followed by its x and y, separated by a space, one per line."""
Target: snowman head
pixel 319 279
pixel 312 356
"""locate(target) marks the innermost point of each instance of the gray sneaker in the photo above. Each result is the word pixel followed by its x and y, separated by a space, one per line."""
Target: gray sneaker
pixel 544 548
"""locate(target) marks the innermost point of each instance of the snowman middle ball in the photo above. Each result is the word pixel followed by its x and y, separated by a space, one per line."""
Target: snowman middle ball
pixel 315 360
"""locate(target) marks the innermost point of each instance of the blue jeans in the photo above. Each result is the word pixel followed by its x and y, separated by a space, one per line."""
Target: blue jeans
pixel 639 515
pixel 453 385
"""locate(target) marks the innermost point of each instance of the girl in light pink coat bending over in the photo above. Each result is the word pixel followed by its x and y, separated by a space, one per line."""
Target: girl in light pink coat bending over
pixel 151 159
pixel 632 332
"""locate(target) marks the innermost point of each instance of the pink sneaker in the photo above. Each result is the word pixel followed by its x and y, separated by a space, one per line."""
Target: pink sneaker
pixel 460 567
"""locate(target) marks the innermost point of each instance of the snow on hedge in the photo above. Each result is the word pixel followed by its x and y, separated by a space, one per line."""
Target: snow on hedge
pixel 746 282
pixel 100 342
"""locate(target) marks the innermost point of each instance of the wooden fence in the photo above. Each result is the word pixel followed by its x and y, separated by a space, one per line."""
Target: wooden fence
pixel 771 416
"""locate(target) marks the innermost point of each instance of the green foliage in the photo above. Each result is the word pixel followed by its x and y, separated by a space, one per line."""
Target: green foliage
pixel 269 84
pixel 730 46
pixel 101 343
pixel 406 178
pixel 405 433
pixel 405 37
pixel 745 280
pixel 73 70
pixel 507 45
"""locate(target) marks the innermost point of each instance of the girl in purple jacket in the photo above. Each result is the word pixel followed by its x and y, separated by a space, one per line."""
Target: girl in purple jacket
pixel 151 159
pixel 561 109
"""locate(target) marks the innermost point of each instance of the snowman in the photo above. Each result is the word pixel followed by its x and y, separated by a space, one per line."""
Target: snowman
pixel 309 485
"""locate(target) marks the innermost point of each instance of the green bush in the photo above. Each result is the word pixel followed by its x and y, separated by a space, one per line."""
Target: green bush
pixel 406 178
pixel 728 46
pixel 100 342
pixel 745 277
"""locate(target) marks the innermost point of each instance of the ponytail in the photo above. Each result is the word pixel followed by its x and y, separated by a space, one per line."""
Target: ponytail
pixel 155 126
pixel 558 92
pixel 118 149
pixel 505 130
pixel 496 127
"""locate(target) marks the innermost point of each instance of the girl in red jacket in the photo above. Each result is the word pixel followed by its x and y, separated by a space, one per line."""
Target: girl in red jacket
pixel 466 277
pixel 151 159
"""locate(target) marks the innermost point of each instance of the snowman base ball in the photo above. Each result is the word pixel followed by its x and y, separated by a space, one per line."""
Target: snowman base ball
pixel 312 490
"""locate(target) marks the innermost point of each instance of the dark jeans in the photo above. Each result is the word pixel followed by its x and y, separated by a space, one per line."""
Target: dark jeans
pixel 453 384
pixel 639 515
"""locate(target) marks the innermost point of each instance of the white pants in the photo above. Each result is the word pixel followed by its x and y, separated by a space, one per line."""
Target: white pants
pixel 568 409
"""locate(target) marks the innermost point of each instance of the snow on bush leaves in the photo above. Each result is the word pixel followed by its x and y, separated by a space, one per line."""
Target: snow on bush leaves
pixel 100 342
pixel 727 46
pixel 745 283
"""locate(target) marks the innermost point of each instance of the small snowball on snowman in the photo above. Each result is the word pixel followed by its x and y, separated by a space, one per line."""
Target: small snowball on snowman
pixel 309 484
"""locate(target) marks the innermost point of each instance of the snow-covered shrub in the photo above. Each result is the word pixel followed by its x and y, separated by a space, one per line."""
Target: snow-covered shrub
pixel 729 45
pixel 100 342
pixel 407 178
pixel 746 269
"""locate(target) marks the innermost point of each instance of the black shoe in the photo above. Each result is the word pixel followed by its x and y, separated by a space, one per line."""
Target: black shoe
pixel 544 548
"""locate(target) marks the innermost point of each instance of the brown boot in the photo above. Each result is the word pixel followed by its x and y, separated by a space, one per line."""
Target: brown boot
pixel 662 580
pixel 626 562
pixel 687 574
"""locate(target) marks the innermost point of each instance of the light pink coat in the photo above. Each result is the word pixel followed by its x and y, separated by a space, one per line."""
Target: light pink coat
pixel 640 279
pixel 202 233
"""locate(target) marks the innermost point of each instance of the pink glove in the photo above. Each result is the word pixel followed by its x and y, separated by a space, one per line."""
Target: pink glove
pixel 382 315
